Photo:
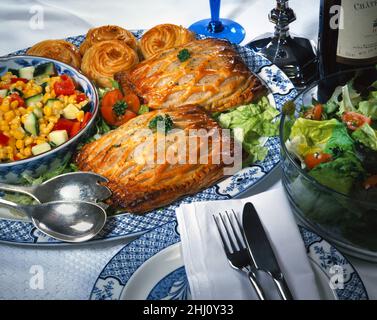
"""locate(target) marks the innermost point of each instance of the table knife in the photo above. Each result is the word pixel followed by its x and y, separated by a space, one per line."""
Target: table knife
pixel 261 251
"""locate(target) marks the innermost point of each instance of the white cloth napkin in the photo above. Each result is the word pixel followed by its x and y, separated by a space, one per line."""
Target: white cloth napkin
pixel 209 273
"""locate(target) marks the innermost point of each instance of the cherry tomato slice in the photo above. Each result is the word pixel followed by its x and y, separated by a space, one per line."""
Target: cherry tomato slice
pixel 314 159
pixel 355 120
pixel 65 86
pixel 87 117
pixel 75 129
pixel 80 97
pixel 3 139
pixel 16 97
pixel 63 124
pixel 14 80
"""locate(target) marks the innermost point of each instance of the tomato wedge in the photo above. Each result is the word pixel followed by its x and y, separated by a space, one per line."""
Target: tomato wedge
pixel 370 182
pixel 16 97
pixel 355 120
pixel 314 159
pixel 65 86
pixel 314 113
pixel 3 139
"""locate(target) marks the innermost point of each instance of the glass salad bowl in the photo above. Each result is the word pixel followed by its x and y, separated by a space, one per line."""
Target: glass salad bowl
pixel 339 209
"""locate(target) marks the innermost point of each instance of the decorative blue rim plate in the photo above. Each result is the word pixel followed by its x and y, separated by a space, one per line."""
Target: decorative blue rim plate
pixel 123 273
pixel 129 225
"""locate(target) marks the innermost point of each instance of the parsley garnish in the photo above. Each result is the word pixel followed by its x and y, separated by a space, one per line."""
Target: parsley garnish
pixel 183 55
pixel 119 108
pixel 165 119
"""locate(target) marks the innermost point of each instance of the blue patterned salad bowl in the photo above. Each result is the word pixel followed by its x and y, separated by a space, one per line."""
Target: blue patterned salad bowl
pixel 14 172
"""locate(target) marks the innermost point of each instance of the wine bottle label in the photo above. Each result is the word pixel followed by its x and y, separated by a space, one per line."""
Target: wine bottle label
pixel 357 40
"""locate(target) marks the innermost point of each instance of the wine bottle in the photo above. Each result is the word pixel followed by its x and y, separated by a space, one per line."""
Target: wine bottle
pixel 347 35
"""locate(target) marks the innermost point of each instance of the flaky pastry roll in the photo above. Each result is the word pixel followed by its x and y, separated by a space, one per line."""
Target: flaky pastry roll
pixel 102 60
pixel 104 33
pixel 57 49
pixel 162 37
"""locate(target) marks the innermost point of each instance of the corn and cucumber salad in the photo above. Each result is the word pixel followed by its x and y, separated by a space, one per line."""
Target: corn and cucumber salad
pixel 39 111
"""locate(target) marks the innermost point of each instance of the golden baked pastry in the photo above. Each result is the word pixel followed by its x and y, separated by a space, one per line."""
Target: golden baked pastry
pixel 59 50
pixel 102 60
pixel 162 37
pixel 105 33
pixel 127 157
pixel 212 75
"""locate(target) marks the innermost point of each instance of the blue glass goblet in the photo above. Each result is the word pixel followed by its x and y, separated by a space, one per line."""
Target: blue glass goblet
pixel 219 28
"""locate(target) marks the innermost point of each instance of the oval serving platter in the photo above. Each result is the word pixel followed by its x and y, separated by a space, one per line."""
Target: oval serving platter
pixel 151 268
pixel 13 230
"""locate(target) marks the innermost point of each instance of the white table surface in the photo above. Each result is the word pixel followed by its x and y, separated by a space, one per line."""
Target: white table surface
pixel 69 17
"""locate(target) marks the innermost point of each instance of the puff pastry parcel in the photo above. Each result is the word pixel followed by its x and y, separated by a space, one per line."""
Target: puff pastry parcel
pixel 59 50
pixel 162 37
pixel 128 158
pixel 206 72
pixel 102 60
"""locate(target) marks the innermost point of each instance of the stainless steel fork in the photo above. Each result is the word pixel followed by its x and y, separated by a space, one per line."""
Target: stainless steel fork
pixel 235 248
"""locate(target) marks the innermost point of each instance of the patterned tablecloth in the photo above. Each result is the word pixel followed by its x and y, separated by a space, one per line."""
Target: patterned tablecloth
pixel 70 272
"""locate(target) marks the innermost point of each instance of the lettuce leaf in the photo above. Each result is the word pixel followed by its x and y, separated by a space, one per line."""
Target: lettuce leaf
pixel 255 121
pixel 367 136
pixel 309 136
pixel 339 174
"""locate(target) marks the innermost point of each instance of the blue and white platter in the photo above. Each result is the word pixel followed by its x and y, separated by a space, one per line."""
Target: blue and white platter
pixel 151 268
pixel 16 230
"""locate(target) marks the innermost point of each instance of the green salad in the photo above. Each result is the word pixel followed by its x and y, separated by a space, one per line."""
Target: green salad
pixel 336 141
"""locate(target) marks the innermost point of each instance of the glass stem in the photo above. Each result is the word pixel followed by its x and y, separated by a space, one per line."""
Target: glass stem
pixel 215 24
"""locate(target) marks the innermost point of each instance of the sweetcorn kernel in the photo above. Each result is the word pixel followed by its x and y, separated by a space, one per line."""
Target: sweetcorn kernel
pixel 8 116
pixel 18 134
pixel 20 144
pixel 14 104
pixel 27 152
pixel 47 111
pixel 4 107
pixel 80 116
pixel 28 141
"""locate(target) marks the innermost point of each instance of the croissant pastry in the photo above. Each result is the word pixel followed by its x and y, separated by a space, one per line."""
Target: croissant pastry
pixel 162 37
pixel 102 60
pixel 104 33
pixel 59 50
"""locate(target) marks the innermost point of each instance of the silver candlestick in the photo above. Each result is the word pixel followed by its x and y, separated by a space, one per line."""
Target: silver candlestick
pixel 294 55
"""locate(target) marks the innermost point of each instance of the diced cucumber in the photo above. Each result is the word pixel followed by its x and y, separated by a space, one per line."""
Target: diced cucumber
pixel 3 93
pixel 27 72
pixel 40 148
pixel 45 70
pixel 15 90
pixel 70 112
pixel 14 72
pixel 31 124
pixel 40 80
pixel 58 137
pixel 44 85
pixel 31 101
pixel 38 112
pixel 50 102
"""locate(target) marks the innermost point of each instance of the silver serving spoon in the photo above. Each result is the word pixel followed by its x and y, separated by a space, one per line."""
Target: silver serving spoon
pixel 66 187
pixel 68 221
